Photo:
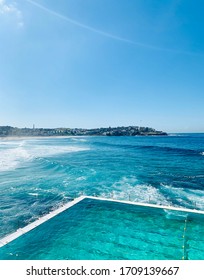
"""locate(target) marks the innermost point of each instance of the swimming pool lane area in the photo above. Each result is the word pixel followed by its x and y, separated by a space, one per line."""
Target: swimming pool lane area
pixel 103 229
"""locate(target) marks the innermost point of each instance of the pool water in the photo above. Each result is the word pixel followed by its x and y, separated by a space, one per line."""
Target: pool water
pixel 98 229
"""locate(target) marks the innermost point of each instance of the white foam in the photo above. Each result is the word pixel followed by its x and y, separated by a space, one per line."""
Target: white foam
pixel 78 139
pixel 44 150
pixel 11 143
pixel 174 134
pixel 33 194
pixel 128 188
pixel 202 153
pixel 185 196
pixel 10 158
pixel 23 151
pixel 81 178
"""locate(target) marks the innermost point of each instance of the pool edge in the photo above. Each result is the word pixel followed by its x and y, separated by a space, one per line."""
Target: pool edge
pixel 7 239
pixel 166 207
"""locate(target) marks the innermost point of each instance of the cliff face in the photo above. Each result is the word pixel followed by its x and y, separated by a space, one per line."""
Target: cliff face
pixel 110 131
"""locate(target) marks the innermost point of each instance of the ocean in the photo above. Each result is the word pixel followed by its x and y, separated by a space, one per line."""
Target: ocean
pixel 39 175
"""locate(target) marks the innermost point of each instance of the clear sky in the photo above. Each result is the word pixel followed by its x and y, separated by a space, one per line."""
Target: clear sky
pixel 99 63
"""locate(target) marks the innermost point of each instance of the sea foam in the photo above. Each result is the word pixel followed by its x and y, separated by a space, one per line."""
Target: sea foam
pixel 185 197
pixel 129 188
pixel 14 154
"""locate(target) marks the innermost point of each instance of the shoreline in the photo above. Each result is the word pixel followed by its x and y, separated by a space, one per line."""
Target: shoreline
pixel 37 137
pixel 71 136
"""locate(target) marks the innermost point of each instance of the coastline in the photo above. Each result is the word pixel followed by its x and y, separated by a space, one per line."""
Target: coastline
pixel 9 138
pixel 9 131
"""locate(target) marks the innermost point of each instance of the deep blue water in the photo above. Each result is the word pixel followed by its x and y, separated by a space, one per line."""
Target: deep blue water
pixel 38 175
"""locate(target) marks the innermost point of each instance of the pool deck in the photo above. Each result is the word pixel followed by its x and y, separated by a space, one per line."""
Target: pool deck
pixel 52 214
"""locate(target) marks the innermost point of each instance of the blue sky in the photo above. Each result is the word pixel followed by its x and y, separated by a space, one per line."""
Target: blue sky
pixel 99 63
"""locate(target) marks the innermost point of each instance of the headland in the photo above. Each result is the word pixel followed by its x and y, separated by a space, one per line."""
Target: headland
pixel 9 131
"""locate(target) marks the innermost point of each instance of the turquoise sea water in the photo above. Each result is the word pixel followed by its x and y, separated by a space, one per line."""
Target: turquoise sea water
pixel 105 230
pixel 39 175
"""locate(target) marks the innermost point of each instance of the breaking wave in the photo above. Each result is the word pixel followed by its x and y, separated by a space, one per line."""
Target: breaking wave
pixel 128 188
pixel 14 154
pixel 166 195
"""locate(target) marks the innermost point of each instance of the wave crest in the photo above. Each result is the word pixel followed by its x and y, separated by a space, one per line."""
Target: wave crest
pixel 21 152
